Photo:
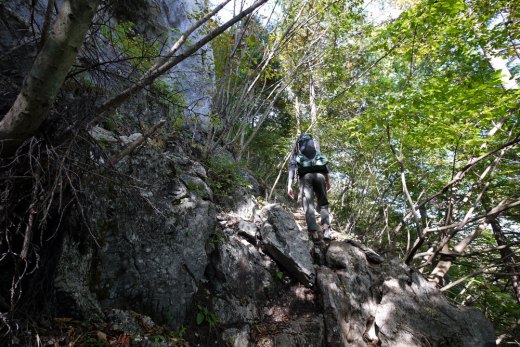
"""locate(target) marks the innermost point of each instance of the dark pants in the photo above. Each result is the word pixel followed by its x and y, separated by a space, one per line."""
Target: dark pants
pixel 314 183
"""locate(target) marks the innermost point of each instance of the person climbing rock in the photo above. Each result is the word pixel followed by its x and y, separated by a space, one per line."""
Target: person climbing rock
pixel 311 166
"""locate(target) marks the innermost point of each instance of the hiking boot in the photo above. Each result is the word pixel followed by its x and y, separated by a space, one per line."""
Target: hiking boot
pixel 327 232
pixel 315 235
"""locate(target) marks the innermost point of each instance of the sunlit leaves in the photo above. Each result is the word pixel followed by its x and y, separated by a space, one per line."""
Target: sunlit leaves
pixel 130 45
pixel 418 91
pixel 423 87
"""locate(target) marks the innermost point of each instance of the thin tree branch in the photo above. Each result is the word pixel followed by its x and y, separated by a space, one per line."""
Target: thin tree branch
pixel 132 146
pixel 493 212
pixel 459 176
pixel 163 67
pixel 462 279
pixel 32 212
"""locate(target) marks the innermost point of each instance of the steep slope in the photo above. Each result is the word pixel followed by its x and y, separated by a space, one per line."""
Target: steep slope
pixel 145 243
pixel 243 280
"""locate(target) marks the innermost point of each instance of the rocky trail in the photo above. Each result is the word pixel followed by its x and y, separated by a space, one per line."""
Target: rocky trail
pixel 171 270
pixel 338 293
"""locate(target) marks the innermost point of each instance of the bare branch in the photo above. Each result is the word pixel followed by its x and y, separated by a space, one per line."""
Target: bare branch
pixel 493 212
pixel 460 175
pixel 462 279
pixel 184 37
pixel 484 270
pixel 132 146
pixel 471 254
pixel 511 329
pixel 155 72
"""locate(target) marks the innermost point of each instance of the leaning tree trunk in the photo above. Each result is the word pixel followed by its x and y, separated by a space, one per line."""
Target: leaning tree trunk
pixel 507 256
pixel 47 74
pixel 314 109
pixel 443 266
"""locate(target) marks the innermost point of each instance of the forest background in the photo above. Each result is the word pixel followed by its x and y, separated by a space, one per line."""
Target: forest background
pixel 418 115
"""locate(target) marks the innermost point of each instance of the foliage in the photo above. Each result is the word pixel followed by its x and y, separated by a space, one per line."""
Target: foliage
pixel 279 276
pixel 139 53
pixel 204 315
pixel 250 89
pixel 404 105
pixel 224 175
pixel 130 45
pixel 269 147
pixel 180 332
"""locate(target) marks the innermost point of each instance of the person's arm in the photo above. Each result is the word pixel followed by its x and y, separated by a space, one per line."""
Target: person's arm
pixel 290 191
pixel 292 170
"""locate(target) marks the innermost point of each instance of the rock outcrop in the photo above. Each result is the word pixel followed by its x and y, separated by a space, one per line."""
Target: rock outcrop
pixel 390 304
pixel 151 234
pixel 285 243
pixel 355 298
pixel 159 247
pixel 255 279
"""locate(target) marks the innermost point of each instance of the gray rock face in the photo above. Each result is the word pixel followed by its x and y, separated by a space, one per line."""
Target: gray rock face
pixel 241 202
pixel 258 302
pixel 248 230
pixel 156 19
pixel 241 271
pixel 390 305
pixel 284 241
pixel 347 294
pixel 242 199
pixel 305 331
pixel 152 238
pixel 167 259
pixel 365 300
pixel 425 316
pixel 71 283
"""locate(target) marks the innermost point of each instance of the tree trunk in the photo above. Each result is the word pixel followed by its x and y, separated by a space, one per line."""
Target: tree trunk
pixel 47 73
pixel 314 109
pixel 439 272
pixel 507 256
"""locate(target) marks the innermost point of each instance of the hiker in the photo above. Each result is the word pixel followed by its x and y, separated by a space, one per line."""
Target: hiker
pixel 313 173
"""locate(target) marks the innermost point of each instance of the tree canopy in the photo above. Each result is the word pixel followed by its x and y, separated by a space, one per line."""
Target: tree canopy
pixel 419 114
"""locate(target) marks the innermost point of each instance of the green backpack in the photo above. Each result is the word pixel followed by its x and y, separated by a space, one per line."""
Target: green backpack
pixel 305 164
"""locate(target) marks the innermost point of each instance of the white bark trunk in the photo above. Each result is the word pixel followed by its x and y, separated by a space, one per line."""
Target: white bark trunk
pixel 47 73
pixel 499 64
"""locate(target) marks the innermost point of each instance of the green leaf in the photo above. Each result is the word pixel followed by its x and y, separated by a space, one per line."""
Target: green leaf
pixel 200 318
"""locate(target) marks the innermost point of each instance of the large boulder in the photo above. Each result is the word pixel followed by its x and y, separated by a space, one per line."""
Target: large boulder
pixel 256 300
pixel 240 280
pixel 390 304
pixel 287 244
pixel 412 312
